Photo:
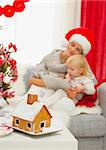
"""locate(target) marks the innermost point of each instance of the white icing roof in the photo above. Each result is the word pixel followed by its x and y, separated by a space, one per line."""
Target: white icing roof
pixel 26 111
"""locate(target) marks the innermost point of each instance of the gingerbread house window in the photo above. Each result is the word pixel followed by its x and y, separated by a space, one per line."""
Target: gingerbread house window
pixel 42 124
pixel 17 121
pixel 29 125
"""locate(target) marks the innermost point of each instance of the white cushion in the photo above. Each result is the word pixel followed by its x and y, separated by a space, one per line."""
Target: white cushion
pixel 21 85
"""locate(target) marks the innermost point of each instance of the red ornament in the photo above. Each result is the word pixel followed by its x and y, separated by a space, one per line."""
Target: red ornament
pixel 1 10
pixel 8 11
pixel 19 6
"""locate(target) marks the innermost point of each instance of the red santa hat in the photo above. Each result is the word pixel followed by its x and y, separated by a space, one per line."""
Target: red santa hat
pixel 82 36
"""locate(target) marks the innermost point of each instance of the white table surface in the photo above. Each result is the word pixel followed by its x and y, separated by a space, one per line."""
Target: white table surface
pixel 62 140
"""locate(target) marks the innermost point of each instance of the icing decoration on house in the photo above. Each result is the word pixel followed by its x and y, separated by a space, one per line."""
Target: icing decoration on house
pixel 16 7
pixel 31 116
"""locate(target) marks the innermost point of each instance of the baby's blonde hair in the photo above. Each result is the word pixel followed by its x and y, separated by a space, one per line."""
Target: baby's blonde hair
pixel 78 61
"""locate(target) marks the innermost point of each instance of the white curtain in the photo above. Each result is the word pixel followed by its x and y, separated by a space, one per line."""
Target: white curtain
pixel 40 27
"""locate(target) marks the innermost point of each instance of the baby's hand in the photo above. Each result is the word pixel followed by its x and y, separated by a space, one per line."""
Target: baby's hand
pixel 68 77
pixel 80 88
pixel 71 93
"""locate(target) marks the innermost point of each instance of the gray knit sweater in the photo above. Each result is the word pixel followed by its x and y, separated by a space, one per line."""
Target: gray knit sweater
pixel 50 63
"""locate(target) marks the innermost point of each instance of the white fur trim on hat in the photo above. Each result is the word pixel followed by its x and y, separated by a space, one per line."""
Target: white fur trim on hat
pixel 82 40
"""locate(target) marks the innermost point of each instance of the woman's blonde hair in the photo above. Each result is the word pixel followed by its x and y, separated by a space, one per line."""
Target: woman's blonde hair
pixel 78 61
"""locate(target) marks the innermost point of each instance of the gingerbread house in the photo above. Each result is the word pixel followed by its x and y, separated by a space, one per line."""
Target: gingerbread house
pixel 31 116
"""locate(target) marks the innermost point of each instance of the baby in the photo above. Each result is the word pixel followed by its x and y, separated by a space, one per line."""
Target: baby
pixel 78 77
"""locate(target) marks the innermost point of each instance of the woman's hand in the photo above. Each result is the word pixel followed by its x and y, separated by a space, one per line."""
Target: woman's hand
pixel 71 93
pixel 36 81
pixel 30 82
pixel 80 88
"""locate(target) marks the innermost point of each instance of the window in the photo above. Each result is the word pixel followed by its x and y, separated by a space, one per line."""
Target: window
pixel 17 121
pixel 42 125
pixel 29 125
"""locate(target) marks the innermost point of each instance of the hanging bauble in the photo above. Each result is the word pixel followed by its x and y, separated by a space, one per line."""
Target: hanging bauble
pixel 17 6
pixel 8 11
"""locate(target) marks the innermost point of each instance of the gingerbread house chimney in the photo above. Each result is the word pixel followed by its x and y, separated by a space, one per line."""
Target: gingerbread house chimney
pixel 32 98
